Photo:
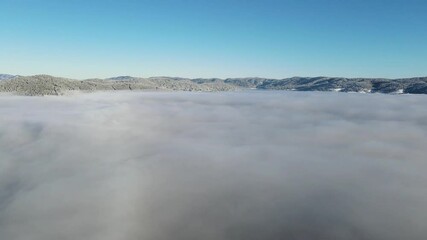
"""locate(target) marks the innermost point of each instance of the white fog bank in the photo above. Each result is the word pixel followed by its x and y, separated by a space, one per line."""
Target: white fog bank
pixel 213 166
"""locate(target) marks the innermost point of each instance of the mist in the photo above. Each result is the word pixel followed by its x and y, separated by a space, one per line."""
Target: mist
pixel 240 165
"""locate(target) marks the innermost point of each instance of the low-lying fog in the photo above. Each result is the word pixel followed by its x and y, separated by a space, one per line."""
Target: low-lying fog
pixel 213 166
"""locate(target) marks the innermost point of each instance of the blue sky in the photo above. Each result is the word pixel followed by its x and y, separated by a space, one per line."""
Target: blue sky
pixel 234 38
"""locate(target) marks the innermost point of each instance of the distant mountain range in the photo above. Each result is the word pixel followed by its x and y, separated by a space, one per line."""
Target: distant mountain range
pixel 49 85
pixel 6 76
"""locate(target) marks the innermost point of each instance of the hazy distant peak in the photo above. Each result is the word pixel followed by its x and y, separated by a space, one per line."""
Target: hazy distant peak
pixel 6 76
pixel 167 78
pixel 121 78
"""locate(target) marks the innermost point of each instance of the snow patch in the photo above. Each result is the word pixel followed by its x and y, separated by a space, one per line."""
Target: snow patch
pixel 365 91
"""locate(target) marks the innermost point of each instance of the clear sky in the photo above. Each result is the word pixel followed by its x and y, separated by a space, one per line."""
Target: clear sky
pixel 208 38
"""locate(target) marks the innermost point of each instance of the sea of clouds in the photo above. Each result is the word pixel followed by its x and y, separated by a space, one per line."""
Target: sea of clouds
pixel 213 166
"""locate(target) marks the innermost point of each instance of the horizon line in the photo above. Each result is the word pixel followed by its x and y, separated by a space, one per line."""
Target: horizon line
pixel 252 77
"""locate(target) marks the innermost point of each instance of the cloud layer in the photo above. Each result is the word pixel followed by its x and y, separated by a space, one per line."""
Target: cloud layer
pixel 182 166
